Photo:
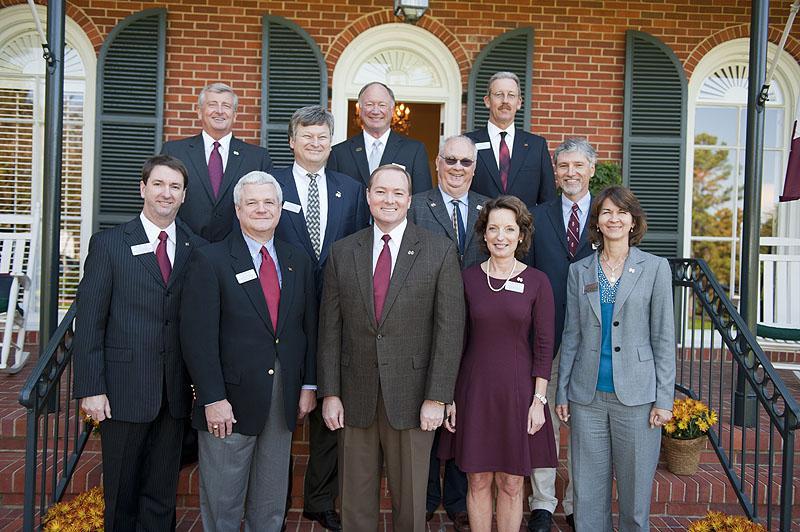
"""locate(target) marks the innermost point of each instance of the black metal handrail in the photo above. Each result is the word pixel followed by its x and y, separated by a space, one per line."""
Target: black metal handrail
pixel 755 444
pixel 51 453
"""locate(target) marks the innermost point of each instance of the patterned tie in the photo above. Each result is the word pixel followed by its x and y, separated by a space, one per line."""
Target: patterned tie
pixel 312 216
pixel 268 277
pixel 381 277
pixel 505 160
pixel 573 231
pixel 375 156
pixel 215 169
pixel 162 258
pixel 458 225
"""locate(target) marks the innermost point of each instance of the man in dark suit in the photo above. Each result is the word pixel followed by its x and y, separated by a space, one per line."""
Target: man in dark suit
pixel 377 144
pixel 129 373
pixel 248 330
pixel 451 210
pixel 319 207
pixel 561 238
pixel 510 161
pixel 391 332
pixel 215 160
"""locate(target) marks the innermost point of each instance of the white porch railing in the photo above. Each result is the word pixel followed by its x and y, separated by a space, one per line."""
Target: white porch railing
pixel 779 283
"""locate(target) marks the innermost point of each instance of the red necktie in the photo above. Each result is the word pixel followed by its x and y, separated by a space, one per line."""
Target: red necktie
pixel 162 258
pixel 215 169
pixel 573 231
pixel 381 277
pixel 505 160
pixel 268 277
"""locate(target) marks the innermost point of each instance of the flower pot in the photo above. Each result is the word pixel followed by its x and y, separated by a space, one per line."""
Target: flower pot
pixel 682 456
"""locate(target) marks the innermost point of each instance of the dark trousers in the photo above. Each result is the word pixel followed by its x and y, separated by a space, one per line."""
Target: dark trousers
pixel 141 462
pixel 321 484
pixel 454 498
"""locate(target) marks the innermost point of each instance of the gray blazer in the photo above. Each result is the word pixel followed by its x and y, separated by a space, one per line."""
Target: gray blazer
pixel 642 333
pixel 413 354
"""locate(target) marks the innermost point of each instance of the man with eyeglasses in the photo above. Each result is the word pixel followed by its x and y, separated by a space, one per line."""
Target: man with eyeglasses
pixel 377 144
pixel 451 210
pixel 510 160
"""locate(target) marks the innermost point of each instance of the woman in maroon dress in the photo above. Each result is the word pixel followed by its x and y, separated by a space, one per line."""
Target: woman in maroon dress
pixel 503 425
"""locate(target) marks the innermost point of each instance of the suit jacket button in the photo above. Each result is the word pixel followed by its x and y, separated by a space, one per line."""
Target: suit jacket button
pixel 616 349
pixel 380 336
pixel 277 340
pixel 616 324
pixel 271 371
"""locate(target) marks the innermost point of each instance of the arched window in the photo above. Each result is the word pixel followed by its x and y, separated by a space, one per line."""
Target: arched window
pixel 22 92
pixel 718 121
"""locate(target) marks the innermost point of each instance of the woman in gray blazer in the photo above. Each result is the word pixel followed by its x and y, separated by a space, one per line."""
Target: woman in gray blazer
pixel 617 369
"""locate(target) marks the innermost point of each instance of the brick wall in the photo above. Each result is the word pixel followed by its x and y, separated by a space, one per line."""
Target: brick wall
pixel 579 48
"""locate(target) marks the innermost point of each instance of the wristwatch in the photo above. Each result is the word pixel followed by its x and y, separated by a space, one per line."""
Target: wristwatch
pixel 541 398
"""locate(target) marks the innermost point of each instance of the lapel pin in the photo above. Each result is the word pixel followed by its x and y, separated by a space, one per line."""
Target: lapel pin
pixel 479 207
pixel 338 194
pixel 359 148
pixel 433 204
pixel 235 152
pixel 290 268
pixel 631 270
pixel 519 279
pixel 410 251
pixel 185 243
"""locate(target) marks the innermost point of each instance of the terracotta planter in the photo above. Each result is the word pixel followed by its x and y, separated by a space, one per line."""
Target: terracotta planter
pixel 682 456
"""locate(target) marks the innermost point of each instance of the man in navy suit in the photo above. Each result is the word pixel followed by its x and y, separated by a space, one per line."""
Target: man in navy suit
pixel 319 207
pixel 129 374
pixel 561 238
pixel 510 161
pixel 378 145
pixel 249 335
pixel 215 160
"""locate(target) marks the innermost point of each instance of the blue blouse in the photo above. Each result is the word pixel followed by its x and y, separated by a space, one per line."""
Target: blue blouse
pixel 608 295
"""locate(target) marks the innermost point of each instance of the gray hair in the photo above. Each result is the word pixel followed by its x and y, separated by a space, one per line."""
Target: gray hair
pixel 256 177
pixel 503 75
pixel 385 86
pixel 578 144
pixel 217 88
pixel 390 166
pixel 459 137
pixel 310 115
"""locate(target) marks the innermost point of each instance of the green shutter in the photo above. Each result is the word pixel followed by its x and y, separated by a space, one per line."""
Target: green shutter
pixel 130 107
pixel 293 75
pixel 512 52
pixel 654 148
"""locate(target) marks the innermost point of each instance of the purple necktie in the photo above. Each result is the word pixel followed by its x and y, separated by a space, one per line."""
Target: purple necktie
pixel 215 169
pixel 505 160
pixel 573 231
pixel 162 258
pixel 381 277
pixel 268 277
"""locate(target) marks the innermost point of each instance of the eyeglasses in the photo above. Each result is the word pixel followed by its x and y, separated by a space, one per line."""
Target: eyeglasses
pixel 451 161
pixel 510 96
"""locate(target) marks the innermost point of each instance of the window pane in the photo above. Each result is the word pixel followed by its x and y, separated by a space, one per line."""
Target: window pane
pixel 718 257
pixel 772 186
pixel 774 128
pixel 715 126
pixel 711 195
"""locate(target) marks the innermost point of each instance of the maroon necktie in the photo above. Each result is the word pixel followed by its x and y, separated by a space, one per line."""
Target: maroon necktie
pixel 162 258
pixel 573 231
pixel 215 169
pixel 505 160
pixel 268 277
pixel 380 279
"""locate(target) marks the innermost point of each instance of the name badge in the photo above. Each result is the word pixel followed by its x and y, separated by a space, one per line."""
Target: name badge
pixel 291 207
pixel 141 249
pixel 483 145
pixel 513 286
pixel 245 276
pixel 591 287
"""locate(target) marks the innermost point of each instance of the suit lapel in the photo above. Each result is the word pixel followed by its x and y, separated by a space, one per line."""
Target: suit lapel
pixel 630 275
pixel 487 157
pixel 518 156
pixel 335 215
pixel 182 250
pixel 438 209
pixel 475 207
pixel 589 277
pixel 362 255
pixel 297 219
pixel 406 255
pixel 359 154
pixel 197 156
pixel 232 167
pixel 393 144
pixel 135 235
pixel 556 216
pixel 242 262
pixel 287 266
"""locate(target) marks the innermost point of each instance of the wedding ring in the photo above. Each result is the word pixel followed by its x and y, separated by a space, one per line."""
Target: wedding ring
pixel 215 427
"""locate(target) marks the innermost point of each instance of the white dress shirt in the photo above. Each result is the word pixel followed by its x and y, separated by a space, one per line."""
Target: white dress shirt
pixel 584 204
pixel 494 139
pixel 463 206
pixel 396 237
pixel 369 140
pixel 302 181
pixel 224 147
pixel 254 247
pixel 152 231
